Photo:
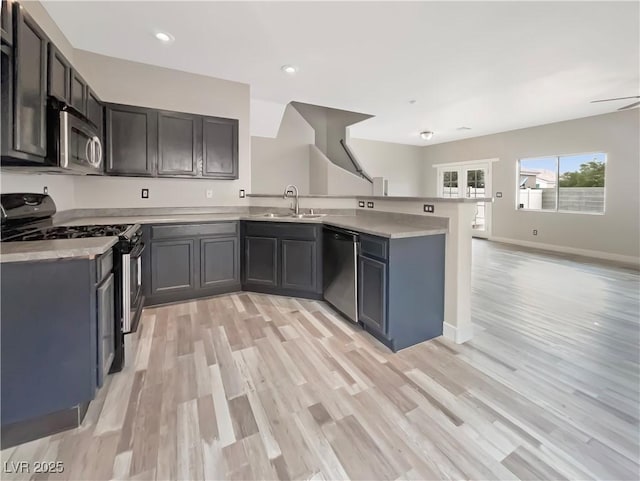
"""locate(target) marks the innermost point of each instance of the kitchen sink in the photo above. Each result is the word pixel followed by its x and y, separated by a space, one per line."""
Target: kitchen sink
pixel 271 215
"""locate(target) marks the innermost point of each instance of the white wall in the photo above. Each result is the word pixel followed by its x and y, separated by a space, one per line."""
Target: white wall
pixel 616 233
pixel 61 187
pixel 333 180
pixel 122 81
pixel 400 164
pixel 283 160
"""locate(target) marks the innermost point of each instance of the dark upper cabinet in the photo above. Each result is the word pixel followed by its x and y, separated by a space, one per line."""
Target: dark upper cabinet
pixel 372 293
pixel 95 111
pixel 172 266
pixel 261 261
pixel 131 140
pixel 219 262
pixel 299 265
pixel 219 148
pixel 6 22
pixel 59 75
pixel 179 144
pixel 28 139
pixel 78 92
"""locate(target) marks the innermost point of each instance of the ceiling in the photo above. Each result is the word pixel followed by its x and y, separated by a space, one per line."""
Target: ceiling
pixel 490 66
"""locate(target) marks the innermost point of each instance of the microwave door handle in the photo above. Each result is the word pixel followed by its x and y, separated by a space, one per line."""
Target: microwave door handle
pixel 88 150
pixel 98 151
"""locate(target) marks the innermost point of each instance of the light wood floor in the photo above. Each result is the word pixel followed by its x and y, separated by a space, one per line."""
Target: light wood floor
pixel 251 386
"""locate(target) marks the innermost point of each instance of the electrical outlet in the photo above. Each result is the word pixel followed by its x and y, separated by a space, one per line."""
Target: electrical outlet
pixel 430 208
pixel 145 193
pixel 242 194
pixel 370 205
pixel 499 195
pixel 45 190
pixel 361 203
pixel 209 193
pixel 535 231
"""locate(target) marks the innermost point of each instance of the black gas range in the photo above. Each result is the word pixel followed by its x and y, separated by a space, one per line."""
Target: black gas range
pixel 29 217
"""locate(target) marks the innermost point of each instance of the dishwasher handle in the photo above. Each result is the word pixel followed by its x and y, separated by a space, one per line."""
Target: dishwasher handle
pixel 342 234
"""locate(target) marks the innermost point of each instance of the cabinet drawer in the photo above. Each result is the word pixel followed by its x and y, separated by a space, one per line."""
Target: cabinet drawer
pixel 104 265
pixel 283 230
pixel 374 246
pixel 192 230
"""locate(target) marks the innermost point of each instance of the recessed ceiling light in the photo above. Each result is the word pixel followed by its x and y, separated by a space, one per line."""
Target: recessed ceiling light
pixel 426 135
pixel 463 128
pixel 164 37
pixel 290 69
pixel 412 101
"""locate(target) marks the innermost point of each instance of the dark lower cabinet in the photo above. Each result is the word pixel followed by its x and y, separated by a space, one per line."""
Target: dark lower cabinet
pixel 299 264
pixel 172 266
pixel 372 293
pixel 187 261
pixel 132 145
pixel 401 288
pixel 219 262
pixel 261 261
pixel 282 258
pixel 106 319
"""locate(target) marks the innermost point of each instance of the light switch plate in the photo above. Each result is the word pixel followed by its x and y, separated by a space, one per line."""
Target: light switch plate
pixel 45 190
pixel 145 193
pixel 209 193
pixel 242 194
pixel 370 205
pixel 430 208
pixel 361 203
pixel 499 195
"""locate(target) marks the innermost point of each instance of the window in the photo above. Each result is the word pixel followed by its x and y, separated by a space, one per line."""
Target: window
pixel 450 183
pixel 565 183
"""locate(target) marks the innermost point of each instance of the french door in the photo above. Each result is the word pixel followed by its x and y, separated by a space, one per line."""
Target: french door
pixel 469 181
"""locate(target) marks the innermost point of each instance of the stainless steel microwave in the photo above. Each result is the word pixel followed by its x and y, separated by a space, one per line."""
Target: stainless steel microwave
pixel 74 142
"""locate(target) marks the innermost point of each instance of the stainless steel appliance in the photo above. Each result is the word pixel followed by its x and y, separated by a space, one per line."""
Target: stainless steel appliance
pixel 340 270
pixel 28 217
pixel 73 141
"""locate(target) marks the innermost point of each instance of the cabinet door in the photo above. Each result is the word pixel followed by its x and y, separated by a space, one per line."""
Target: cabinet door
pixel 106 327
pixel 299 265
pixel 30 89
pixel 220 148
pixel 372 293
pixel 178 145
pixel 95 112
pixel 6 22
pixel 59 75
pixel 132 140
pixel 172 266
pixel 261 261
pixel 219 262
pixel 78 92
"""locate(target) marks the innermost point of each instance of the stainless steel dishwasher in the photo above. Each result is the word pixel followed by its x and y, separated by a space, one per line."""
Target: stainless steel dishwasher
pixel 340 270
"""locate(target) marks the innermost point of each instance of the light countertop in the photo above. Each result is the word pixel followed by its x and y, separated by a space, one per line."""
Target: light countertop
pixel 383 226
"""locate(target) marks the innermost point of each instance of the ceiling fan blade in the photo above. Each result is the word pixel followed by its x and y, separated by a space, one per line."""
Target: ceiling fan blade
pixel 630 106
pixel 619 98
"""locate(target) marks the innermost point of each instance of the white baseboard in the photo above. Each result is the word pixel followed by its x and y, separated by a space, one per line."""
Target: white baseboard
pixel 628 260
pixel 457 334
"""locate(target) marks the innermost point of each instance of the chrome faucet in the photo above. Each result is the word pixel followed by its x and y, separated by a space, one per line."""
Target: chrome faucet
pixel 295 209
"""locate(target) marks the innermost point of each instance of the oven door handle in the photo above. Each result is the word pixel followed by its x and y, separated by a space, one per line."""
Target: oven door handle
pixel 137 250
